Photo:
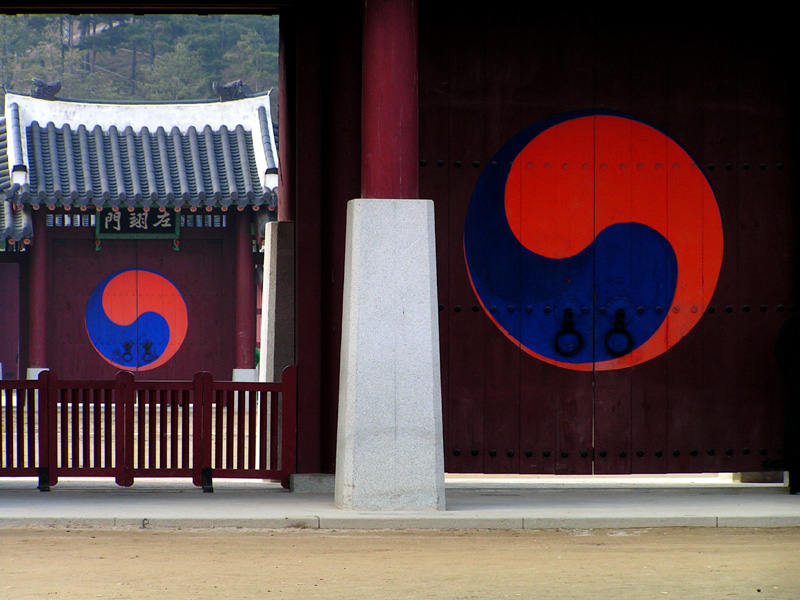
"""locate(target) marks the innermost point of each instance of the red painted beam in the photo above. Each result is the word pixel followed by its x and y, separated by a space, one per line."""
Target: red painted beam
pixel 390 116
pixel 37 349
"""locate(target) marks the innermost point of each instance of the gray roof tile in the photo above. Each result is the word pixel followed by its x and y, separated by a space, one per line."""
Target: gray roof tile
pixel 118 163
pixel 15 221
pixel 113 168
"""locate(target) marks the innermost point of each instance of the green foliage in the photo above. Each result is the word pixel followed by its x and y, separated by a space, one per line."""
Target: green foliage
pixel 256 59
pixel 177 75
pixel 150 57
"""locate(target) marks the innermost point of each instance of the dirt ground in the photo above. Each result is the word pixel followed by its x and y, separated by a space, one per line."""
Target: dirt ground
pixel 197 564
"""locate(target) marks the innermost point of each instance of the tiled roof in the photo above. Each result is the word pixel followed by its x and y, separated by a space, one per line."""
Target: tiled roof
pixel 65 153
pixel 15 221
pixel 4 177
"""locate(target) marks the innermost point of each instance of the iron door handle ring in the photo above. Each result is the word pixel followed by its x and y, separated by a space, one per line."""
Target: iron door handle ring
pixel 147 356
pixel 568 328
pixel 127 356
pixel 619 329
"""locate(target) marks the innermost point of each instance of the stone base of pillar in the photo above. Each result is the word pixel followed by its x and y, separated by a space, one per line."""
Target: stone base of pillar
pixel 389 453
pixel 245 375
pixel 277 301
pixel 33 372
pixel 311 483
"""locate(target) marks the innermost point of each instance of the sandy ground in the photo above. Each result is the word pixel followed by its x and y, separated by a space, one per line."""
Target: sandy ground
pixel 640 564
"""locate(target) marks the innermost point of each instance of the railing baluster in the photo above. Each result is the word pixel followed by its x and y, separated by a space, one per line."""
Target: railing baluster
pixel 97 410
pixel 64 429
pixel 252 416
pixel 274 428
pixel 174 417
pixel 219 439
pixel 229 430
pixel 4 396
pixel 152 431
pixel 141 432
pixel 86 429
pixel 240 416
pixel 30 399
pixel 20 427
pixel 9 431
pixel 263 408
pixel 186 430
pixel 109 425
pixel 76 434
pixel 163 427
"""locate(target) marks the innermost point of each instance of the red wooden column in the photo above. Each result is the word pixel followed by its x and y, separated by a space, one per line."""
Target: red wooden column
pixel 285 119
pixel 245 295
pixel 37 329
pixel 301 167
pixel 390 146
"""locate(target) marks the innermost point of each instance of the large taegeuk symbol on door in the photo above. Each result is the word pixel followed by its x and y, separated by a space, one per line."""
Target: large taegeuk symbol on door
pixel 593 241
pixel 136 319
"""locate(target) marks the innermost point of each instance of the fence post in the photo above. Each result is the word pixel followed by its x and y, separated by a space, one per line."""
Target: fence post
pixel 124 394
pixel 53 396
pixel 207 472
pixel 289 423
pixel 47 430
pixel 198 427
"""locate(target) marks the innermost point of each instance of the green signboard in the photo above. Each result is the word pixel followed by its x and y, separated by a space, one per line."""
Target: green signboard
pixel 137 224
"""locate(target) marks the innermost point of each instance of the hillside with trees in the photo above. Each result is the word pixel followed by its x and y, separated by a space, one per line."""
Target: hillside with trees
pixel 153 57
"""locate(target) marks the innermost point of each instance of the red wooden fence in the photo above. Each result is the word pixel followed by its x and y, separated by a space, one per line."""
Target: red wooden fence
pixel 124 428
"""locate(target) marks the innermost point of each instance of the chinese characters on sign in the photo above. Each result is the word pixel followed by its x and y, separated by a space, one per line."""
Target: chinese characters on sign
pixel 137 224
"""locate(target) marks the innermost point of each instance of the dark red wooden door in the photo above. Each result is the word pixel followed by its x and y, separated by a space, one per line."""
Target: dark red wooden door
pixel 708 147
pixel 10 319
pixel 140 305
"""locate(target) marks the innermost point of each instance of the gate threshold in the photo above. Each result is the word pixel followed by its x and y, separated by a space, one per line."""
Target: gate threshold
pixel 453 481
pixel 660 481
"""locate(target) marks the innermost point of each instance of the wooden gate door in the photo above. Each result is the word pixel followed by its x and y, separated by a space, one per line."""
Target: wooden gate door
pixel 594 245
pixel 10 320
pixel 616 240
pixel 141 305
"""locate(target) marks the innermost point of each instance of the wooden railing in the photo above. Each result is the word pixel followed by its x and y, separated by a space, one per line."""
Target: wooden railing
pixel 125 428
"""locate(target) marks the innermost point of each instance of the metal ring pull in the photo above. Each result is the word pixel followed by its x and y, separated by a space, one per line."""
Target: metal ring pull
pixel 127 356
pixel 568 328
pixel 148 356
pixel 619 329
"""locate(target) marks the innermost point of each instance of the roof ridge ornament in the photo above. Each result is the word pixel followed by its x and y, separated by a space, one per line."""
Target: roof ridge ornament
pixel 235 90
pixel 45 90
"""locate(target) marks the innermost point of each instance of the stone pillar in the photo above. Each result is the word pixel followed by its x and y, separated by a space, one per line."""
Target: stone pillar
pixel 277 301
pixel 37 330
pixel 389 452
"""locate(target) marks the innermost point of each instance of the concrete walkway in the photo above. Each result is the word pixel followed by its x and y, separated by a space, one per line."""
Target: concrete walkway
pixel 521 502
